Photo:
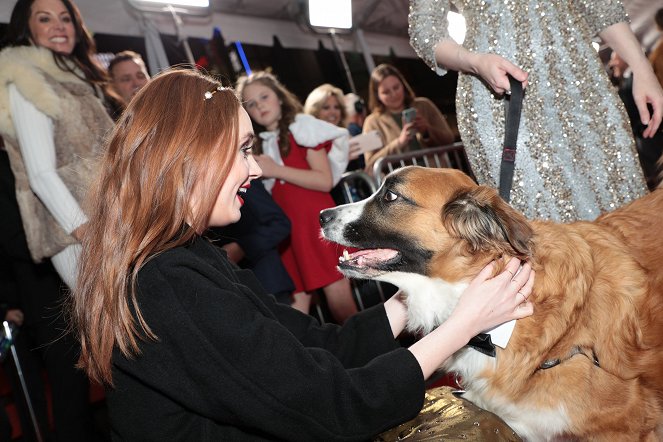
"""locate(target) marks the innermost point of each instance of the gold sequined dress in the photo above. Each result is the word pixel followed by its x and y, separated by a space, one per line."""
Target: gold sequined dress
pixel 576 155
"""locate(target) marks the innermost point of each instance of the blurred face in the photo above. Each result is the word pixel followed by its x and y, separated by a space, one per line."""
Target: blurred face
pixel 263 105
pixel 392 94
pixel 51 26
pixel 230 199
pixel 128 77
pixel 331 111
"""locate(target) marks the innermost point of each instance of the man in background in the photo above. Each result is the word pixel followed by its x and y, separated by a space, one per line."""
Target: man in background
pixel 128 74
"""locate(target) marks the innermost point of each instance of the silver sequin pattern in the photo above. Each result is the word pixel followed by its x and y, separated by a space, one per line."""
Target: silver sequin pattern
pixel 576 155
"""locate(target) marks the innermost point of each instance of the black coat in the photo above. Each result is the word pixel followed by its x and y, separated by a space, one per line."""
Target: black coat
pixel 232 364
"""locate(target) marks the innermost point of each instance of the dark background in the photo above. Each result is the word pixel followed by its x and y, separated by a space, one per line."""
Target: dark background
pixel 301 70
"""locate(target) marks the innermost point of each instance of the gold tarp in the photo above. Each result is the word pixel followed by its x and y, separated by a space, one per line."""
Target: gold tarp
pixel 445 417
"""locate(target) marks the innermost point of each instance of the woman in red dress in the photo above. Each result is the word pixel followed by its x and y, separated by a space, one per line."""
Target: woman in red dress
pixel 301 157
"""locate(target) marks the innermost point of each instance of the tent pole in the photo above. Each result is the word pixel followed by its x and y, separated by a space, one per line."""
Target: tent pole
pixel 368 58
pixel 182 38
pixel 346 68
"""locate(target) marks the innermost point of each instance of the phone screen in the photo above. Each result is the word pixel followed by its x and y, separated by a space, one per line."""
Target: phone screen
pixel 408 115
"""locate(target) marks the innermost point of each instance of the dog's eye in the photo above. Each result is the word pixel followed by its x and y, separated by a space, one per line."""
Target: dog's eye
pixel 390 196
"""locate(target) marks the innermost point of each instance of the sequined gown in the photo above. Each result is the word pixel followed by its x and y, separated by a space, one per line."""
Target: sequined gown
pixel 576 155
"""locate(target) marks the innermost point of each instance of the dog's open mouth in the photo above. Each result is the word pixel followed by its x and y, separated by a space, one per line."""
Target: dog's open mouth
pixel 369 259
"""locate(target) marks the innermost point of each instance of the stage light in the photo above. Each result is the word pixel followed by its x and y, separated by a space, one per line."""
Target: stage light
pixel 336 14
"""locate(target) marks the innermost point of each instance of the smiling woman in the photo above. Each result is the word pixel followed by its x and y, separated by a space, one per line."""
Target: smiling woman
pixel 49 68
pixel 192 348
pixel 53 119
pixel 404 121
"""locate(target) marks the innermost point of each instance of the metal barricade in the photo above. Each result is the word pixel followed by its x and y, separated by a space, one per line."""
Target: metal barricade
pixel 356 186
pixel 451 155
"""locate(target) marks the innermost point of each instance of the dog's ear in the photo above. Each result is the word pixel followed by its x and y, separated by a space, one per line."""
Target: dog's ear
pixel 487 223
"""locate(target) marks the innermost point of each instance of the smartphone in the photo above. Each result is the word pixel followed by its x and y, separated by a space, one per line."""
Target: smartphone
pixel 409 115
pixel 368 141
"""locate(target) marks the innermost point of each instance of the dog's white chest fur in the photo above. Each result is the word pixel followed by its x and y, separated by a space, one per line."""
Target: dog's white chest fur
pixel 430 302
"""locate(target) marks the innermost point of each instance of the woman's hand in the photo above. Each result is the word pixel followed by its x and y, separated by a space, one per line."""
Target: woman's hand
pixel 268 166
pixel 407 133
pixel 79 232
pixel 488 302
pixel 494 69
pixel 354 151
pixel 647 90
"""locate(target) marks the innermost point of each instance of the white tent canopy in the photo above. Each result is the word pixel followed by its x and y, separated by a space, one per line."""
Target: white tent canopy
pixel 114 17
pixel 384 22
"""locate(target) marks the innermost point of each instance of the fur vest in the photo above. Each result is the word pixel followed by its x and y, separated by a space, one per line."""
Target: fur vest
pixel 80 123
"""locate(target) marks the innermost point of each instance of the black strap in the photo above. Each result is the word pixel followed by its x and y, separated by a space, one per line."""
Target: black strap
pixel 513 108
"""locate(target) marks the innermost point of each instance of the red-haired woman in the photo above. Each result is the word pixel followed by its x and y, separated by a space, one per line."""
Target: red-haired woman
pixel 190 346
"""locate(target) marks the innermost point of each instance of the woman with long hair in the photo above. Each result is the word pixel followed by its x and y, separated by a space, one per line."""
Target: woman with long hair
pixel 57 99
pixel 189 346
pixel 389 94
pixel 55 113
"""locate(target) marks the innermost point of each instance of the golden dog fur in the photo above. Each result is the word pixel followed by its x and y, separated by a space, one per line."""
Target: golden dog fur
pixel 598 300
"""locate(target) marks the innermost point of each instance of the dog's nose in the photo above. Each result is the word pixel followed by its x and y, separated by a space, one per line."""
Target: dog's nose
pixel 326 216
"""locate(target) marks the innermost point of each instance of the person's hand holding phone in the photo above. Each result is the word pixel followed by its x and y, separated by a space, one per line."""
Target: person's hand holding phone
pixel 354 151
pixel 407 133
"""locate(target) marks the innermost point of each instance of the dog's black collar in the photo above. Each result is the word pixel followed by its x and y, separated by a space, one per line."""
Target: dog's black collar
pixel 482 344
pixel 577 350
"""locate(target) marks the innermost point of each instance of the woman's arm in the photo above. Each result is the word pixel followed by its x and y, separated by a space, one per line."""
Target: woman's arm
pixel 429 36
pixel 646 88
pixel 34 132
pixel 491 67
pixel 318 177
pixel 227 347
pixel 396 313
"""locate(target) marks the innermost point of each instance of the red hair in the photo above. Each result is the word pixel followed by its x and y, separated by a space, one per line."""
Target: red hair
pixel 168 151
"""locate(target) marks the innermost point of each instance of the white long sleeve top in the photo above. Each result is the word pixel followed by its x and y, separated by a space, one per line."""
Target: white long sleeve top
pixel 34 132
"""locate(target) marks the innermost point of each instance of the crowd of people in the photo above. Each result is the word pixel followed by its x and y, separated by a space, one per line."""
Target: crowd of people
pixel 161 235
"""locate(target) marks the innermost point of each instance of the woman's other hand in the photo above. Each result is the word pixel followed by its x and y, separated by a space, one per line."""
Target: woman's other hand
pixel 647 90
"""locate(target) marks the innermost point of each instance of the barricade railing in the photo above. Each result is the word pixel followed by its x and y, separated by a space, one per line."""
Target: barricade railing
pixel 356 186
pixel 451 155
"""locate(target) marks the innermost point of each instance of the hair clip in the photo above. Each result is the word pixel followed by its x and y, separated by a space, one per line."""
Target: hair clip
pixel 210 94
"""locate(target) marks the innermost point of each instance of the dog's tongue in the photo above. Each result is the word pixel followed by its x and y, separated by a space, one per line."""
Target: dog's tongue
pixel 364 258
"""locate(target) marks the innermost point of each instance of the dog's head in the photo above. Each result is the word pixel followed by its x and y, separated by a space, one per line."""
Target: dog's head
pixel 432 222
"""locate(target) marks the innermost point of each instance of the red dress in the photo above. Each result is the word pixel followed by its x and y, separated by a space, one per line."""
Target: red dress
pixel 310 260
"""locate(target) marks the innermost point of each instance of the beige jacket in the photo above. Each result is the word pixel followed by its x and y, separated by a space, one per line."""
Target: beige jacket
pixel 79 121
pixel 656 59
pixel 439 133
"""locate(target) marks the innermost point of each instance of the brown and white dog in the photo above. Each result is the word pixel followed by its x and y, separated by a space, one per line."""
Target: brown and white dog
pixel 589 363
